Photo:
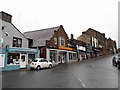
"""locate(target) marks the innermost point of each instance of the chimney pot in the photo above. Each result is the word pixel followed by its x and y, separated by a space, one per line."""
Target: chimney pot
pixel 72 36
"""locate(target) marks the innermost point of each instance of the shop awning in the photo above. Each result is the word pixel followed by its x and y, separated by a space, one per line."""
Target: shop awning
pixel 22 50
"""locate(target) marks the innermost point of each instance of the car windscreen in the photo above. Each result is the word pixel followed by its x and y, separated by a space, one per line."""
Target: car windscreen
pixel 34 60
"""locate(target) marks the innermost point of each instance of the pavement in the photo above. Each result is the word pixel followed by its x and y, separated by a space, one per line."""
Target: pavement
pixel 92 73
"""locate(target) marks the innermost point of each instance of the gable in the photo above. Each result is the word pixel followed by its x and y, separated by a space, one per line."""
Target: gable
pixel 40 36
pixel 12 32
pixel 60 33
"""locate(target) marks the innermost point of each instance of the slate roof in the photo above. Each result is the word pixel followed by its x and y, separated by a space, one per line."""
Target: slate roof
pixel 40 36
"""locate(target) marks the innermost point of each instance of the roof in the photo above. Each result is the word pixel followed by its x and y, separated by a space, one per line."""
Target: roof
pixel 8 24
pixel 40 36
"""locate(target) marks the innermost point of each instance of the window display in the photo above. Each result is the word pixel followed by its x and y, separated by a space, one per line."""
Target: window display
pixel 13 59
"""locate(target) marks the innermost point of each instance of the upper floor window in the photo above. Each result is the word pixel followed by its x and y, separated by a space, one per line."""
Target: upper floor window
pixel 62 41
pixel 17 42
pixel 55 40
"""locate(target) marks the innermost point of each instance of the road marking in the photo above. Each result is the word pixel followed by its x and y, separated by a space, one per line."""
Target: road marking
pixel 80 80
pixel 83 85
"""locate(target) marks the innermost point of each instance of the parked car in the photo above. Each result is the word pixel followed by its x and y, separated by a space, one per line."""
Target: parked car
pixel 39 63
pixel 116 61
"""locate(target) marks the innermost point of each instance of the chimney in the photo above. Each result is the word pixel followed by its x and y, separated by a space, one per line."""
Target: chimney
pixel 83 32
pixel 72 36
pixel 5 16
pixel 104 34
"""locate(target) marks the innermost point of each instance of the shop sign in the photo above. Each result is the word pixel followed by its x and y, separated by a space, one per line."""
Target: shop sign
pixel 89 51
pixel 100 46
pixel 65 48
pixel 1 40
pixel 88 47
pixel 82 48
pixel 2 59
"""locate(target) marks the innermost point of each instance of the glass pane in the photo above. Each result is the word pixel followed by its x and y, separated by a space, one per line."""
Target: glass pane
pixel 23 58
pixel 35 60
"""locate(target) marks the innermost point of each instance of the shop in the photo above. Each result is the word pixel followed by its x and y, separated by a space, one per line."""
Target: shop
pixel 95 52
pixel 82 55
pixel 89 52
pixel 72 56
pixel 16 58
pixel 60 55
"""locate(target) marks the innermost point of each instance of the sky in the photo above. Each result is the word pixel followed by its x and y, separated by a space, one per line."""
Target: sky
pixel 76 16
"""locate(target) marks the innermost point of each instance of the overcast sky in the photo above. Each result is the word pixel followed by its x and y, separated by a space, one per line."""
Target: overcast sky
pixel 75 15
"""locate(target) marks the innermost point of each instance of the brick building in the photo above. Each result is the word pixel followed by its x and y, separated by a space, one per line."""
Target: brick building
pixel 111 46
pixel 52 43
pixel 79 47
pixel 100 37
pixel 97 41
pixel 87 39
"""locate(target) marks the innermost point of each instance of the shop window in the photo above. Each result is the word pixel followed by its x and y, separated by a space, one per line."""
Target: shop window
pixel 31 57
pixel 13 59
pixel 55 40
pixel 23 58
pixel 17 42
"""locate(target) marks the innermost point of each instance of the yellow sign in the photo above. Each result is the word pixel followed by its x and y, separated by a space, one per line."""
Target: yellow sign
pixel 100 46
pixel 65 48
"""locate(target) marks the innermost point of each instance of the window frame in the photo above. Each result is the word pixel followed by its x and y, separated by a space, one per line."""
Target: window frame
pixel 55 41
pixel 60 41
pixel 16 43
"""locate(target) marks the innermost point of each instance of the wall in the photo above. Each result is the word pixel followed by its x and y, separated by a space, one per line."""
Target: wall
pixel 91 32
pixel 57 34
pixel 13 32
pixel 43 54
pixel 85 38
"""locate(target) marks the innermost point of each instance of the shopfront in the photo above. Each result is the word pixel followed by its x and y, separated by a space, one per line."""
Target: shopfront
pixel 60 55
pixel 95 52
pixel 17 58
pixel 82 53
pixel 57 56
pixel 89 52
pixel 72 56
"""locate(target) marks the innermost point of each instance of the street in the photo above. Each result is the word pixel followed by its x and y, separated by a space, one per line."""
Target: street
pixel 93 73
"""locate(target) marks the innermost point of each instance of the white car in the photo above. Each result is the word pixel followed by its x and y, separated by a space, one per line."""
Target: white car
pixel 39 63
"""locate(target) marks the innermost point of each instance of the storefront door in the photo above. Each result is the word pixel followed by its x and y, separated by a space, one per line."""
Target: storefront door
pixel 23 59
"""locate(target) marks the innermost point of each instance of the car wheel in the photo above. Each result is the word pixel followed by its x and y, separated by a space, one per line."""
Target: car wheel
pixel 113 64
pixel 38 68
pixel 50 66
